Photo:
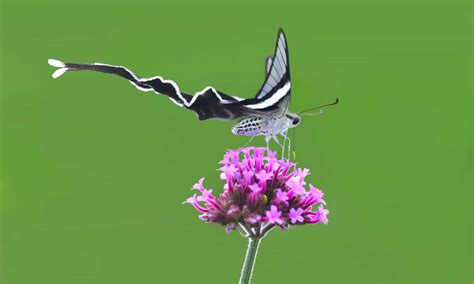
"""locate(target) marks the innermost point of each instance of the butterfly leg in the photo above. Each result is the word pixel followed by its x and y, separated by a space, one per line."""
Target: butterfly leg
pixel 250 140
pixel 275 138
pixel 289 143
pixel 267 140
pixel 283 148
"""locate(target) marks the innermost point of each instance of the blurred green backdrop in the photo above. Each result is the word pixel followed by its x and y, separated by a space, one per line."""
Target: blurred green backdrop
pixel 94 171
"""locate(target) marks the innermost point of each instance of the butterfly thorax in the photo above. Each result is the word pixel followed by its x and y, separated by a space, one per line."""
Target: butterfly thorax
pixel 268 126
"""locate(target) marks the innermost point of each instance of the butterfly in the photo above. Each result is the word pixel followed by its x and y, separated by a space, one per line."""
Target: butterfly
pixel 266 114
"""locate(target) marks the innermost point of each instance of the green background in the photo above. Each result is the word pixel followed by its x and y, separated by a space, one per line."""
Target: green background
pixel 94 171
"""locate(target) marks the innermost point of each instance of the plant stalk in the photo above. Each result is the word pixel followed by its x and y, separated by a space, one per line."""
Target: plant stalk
pixel 249 262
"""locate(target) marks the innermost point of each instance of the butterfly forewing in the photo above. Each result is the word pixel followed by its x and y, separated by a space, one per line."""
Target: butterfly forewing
pixel 273 98
pixel 279 71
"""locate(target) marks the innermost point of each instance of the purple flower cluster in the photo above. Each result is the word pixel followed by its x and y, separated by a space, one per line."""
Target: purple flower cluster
pixel 260 191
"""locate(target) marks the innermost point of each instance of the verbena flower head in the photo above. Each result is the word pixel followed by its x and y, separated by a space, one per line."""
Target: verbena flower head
pixel 260 190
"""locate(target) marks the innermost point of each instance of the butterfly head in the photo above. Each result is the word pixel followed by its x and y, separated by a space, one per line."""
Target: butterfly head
pixel 293 119
pixel 296 121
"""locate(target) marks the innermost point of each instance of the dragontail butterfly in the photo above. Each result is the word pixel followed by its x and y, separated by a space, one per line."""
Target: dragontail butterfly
pixel 266 114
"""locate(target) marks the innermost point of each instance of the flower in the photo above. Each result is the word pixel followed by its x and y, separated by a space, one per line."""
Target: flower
pixel 255 188
pixel 260 192
pixel 322 214
pixel 273 216
pixel 263 176
pixel 295 215
pixel 280 196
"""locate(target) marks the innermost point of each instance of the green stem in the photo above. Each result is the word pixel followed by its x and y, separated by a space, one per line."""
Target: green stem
pixel 249 262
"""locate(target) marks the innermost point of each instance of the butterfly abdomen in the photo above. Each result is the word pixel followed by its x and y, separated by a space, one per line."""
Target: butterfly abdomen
pixel 249 127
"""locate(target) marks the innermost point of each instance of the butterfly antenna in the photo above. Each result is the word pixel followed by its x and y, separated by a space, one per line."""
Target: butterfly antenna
pixel 311 109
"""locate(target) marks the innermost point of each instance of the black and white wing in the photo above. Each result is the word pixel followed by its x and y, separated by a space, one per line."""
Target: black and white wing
pixel 272 100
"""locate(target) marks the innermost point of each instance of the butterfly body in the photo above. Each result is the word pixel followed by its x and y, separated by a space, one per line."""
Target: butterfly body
pixel 267 126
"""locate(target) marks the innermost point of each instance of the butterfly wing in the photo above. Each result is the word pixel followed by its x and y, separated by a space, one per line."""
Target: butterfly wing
pixel 272 99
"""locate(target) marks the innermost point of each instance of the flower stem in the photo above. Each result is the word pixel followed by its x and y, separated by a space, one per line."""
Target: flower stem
pixel 249 262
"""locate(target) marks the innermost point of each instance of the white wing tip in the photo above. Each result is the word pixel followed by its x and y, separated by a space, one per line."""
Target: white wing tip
pixel 56 63
pixel 59 72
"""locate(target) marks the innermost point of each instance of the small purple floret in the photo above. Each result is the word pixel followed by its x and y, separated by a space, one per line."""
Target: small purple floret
pixel 273 216
pixel 295 215
pixel 260 190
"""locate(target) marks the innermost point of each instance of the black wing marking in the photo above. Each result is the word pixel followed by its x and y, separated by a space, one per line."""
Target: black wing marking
pixel 208 103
